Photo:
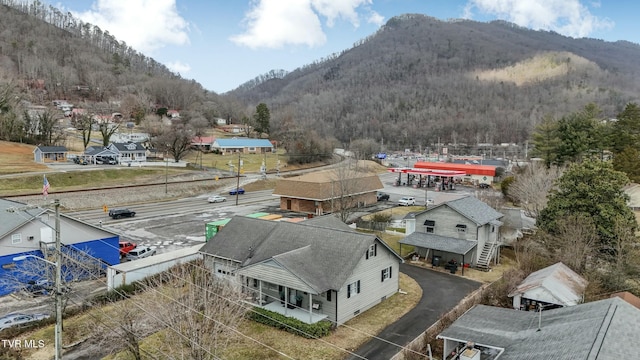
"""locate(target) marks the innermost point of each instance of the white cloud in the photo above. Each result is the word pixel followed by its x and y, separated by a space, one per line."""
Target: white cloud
pixel 145 25
pixel 375 18
pixel 276 23
pixel 567 17
pixel 178 67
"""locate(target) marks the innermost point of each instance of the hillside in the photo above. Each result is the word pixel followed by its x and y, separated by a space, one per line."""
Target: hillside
pixel 419 79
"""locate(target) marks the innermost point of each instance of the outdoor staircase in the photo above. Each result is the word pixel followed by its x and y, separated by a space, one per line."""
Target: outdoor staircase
pixel 487 254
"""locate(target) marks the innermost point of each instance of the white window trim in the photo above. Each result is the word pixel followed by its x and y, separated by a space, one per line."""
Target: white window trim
pixel 16 239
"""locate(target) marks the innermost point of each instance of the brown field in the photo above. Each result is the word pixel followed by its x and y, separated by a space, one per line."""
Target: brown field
pixel 17 158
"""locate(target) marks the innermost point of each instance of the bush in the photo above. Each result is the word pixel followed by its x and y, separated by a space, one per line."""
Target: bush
pixel 504 185
pixel 294 326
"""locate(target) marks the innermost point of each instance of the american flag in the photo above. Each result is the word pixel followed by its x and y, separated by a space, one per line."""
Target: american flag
pixel 45 186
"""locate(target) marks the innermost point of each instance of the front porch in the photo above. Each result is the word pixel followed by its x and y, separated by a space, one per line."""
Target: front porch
pixel 303 315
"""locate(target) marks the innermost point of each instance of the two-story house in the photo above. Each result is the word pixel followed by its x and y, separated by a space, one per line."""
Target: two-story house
pixel 465 230
pixel 314 270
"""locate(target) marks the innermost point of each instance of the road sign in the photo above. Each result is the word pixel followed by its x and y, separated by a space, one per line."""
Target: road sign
pixel 105 208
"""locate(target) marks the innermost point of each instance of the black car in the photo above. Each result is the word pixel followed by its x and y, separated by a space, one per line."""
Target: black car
pixel 382 197
pixel 121 213
pixel 484 186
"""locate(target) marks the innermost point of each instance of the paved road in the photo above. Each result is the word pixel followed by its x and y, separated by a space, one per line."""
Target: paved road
pixel 440 293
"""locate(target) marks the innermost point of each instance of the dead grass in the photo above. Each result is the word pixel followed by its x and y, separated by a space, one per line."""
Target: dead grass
pixel 18 158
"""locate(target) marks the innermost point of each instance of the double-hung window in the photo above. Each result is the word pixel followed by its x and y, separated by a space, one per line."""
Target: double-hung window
pixel 386 274
pixel 461 228
pixel 430 226
pixel 353 289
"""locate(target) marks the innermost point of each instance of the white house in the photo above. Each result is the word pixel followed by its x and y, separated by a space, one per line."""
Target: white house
pixel 554 286
pixel 129 152
pixel 319 268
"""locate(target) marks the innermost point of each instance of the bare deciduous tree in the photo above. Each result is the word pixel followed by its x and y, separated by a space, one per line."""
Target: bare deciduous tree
pixel 532 185
pixel 574 243
pixel 201 311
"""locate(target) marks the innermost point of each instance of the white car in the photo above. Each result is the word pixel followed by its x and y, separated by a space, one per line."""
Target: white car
pixel 140 252
pixel 216 198
pixel 11 320
pixel 407 201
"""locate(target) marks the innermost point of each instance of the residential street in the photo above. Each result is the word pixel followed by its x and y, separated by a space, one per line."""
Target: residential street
pixel 440 293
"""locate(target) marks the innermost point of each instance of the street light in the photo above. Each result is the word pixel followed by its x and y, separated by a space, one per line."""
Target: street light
pixel 58 280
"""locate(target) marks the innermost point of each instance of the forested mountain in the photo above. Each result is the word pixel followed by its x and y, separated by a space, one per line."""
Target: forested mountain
pixel 419 79
pixel 47 54
pixel 416 80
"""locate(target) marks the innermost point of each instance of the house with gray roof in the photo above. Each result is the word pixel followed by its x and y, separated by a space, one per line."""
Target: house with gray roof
pixel 129 152
pixel 242 145
pixel 465 230
pixel 554 286
pixel 30 231
pixel 600 330
pixel 99 152
pixel 310 270
pixel 50 154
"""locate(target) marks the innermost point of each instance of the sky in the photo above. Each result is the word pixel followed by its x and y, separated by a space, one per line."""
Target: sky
pixel 224 43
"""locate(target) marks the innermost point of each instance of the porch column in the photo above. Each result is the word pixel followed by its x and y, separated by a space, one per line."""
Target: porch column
pixel 286 300
pixel 260 293
pixel 310 308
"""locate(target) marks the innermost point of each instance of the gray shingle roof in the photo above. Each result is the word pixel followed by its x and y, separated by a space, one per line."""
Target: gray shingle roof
pixel 13 220
pixel 437 242
pixel 473 209
pixel 603 330
pixel 320 256
pixel 52 149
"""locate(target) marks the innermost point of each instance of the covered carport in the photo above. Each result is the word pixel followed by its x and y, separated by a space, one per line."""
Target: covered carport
pixel 439 246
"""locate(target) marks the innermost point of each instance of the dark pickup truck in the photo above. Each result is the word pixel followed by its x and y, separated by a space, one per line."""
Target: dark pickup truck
pixel 382 197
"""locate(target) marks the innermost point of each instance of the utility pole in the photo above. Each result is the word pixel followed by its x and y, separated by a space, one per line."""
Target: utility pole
pixel 166 169
pixel 58 265
pixel 238 181
pixel 58 327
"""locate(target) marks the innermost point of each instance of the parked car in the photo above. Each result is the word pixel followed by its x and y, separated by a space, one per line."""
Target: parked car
pixel 125 247
pixel 11 320
pixel 407 201
pixel 484 186
pixel 112 161
pixel 140 252
pixel 39 287
pixel 120 213
pixel 382 197
pixel 236 191
pixel 429 202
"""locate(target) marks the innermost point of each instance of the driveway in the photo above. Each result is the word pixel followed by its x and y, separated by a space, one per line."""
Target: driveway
pixel 440 293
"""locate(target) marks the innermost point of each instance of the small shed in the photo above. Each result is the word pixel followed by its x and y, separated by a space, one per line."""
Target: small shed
pixel 552 287
pixel 50 154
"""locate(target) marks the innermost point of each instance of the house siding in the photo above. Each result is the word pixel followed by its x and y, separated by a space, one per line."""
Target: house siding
pixel 446 220
pixel 275 274
pixel 372 289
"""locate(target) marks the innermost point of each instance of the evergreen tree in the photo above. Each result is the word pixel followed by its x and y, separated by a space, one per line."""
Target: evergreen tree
pixel 545 141
pixel 261 119
pixel 595 190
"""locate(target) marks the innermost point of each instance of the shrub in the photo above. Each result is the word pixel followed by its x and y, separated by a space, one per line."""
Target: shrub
pixel 294 326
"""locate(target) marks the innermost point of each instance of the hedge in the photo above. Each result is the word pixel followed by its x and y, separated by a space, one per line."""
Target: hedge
pixel 289 324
